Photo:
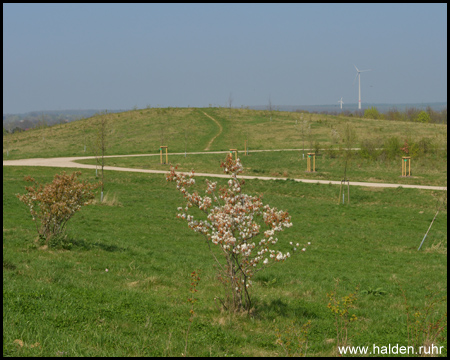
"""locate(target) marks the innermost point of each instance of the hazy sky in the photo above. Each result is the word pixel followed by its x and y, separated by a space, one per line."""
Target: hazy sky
pixel 117 56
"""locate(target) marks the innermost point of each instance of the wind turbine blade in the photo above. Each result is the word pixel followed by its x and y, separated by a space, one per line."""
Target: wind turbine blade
pixel 355 67
pixel 355 78
pixel 365 70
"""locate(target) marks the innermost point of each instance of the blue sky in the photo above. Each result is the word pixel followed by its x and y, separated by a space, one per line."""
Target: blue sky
pixel 117 56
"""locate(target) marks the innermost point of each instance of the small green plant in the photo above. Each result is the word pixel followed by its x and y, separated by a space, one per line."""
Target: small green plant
pixel 340 309
pixel 425 326
pixel 293 340
pixel 316 147
pixel 369 149
pixel 376 292
pixel 392 147
pixel 331 152
pixel 54 204
pixel 195 279
pixel 269 282
pixel 60 241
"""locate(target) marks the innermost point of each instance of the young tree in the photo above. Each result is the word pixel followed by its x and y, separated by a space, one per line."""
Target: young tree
pixel 411 113
pixel 230 102
pixel 42 124
pixel 310 134
pixel 6 135
pixel 233 222
pixel 349 138
pixel 304 123
pixel 165 136
pixel 443 116
pixel 270 108
pixel 84 124
pixel 162 135
pixel 187 126
pixel 434 115
pixel 371 113
pixel 232 133
pixel 100 147
pixel 394 114
pixel 423 117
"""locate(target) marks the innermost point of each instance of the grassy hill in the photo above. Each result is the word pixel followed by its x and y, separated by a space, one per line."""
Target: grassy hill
pixel 119 284
pixel 143 131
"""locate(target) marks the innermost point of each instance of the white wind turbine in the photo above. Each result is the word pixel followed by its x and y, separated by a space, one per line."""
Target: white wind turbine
pixel 340 101
pixel 358 74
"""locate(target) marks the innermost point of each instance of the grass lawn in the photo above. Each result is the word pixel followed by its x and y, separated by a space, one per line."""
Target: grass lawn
pixel 59 302
pixel 424 171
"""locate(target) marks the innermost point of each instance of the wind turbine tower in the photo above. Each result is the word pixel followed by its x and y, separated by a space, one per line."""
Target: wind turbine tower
pixel 358 74
pixel 340 101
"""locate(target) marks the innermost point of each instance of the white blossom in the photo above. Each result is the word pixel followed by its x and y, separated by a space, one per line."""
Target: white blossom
pixel 232 222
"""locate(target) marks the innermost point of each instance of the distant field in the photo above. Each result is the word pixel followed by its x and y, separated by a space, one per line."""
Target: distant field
pixel 291 164
pixel 143 131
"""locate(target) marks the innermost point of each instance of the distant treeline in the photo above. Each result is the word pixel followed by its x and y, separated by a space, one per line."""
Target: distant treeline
pixel 409 114
pixel 334 109
pixel 438 115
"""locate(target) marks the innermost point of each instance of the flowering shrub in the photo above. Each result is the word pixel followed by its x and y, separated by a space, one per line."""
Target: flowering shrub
pixel 52 205
pixel 233 221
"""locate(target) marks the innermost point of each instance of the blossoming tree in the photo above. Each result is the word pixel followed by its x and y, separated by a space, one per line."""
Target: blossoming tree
pixel 233 221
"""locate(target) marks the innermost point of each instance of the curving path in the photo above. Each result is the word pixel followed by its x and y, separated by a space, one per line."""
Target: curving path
pixel 69 162
pixel 220 132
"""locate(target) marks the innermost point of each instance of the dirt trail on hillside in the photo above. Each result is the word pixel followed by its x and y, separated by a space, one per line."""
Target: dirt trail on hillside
pixel 220 132
pixel 69 162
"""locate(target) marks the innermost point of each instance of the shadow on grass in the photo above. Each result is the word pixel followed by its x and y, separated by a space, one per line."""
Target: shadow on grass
pixel 279 308
pixel 82 244
pixel 8 265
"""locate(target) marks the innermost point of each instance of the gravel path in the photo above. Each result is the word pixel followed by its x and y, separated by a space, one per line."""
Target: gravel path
pixel 69 162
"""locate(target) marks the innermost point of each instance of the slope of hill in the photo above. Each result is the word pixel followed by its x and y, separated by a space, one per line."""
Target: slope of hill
pixel 189 129
pixel 34 119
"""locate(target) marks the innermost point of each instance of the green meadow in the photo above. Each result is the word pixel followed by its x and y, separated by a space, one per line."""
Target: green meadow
pixel 120 283
pixel 291 164
pixel 190 129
